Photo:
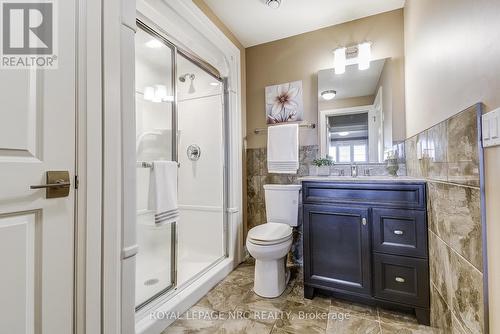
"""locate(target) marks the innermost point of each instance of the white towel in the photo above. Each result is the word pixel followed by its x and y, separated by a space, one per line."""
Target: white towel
pixel 283 149
pixel 163 191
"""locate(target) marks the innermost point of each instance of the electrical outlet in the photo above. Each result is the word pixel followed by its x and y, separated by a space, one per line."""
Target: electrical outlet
pixel 491 131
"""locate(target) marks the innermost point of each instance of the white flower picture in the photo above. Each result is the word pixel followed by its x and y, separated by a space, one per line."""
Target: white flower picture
pixel 284 103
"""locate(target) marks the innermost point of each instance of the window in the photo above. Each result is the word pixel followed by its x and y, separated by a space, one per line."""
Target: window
pixel 348 137
pixel 359 153
pixel 344 154
pixel 349 151
pixel 332 153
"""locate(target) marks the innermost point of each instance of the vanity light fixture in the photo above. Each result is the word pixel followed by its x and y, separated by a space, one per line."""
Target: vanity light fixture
pixel 328 94
pixel 339 60
pixel 273 3
pixel 154 44
pixel 364 55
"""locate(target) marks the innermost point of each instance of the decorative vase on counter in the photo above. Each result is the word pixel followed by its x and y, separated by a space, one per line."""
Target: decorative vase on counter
pixel 392 164
pixel 323 166
pixel 324 171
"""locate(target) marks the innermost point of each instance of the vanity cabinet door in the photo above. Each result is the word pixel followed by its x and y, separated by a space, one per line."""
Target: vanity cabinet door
pixel 337 253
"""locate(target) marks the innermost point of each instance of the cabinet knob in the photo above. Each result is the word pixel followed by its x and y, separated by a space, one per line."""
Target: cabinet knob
pixel 363 221
pixel 398 232
pixel 399 279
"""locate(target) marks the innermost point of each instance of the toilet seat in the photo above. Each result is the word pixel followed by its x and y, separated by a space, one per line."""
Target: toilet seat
pixel 269 234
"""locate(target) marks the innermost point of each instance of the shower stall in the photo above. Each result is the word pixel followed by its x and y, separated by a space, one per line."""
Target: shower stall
pixel 180 116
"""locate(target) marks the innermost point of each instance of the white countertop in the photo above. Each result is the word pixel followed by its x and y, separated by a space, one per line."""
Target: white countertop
pixel 399 179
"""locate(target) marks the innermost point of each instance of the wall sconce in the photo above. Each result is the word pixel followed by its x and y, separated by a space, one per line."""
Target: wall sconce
pixel 360 54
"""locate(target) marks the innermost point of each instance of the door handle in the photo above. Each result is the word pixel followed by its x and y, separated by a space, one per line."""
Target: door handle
pixel 57 185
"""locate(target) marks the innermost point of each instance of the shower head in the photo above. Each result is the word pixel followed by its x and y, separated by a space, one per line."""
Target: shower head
pixel 183 77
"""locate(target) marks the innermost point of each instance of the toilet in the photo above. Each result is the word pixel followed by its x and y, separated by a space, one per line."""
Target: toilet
pixel 270 243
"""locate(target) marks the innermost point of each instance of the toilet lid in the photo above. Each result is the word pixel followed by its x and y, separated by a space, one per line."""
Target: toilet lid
pixel 270 232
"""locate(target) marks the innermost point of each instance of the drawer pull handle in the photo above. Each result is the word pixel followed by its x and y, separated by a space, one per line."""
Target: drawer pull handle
pixel 363 221
pixel 400 279
pixel 398 232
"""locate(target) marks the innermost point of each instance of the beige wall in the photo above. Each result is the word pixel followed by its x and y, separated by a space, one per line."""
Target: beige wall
pixel 301 57
pixel 453 61
pixel 392 83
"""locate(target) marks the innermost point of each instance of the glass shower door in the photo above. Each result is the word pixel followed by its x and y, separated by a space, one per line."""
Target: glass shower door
pixel 154 142
pixel 180 117
pixel 201 153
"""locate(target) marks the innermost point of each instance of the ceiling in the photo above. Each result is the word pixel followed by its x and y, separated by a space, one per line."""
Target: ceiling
pixel 352 83
pixel 253 22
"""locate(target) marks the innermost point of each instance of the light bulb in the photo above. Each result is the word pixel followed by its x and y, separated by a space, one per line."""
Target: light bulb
pixel 340 60
pixel 364 55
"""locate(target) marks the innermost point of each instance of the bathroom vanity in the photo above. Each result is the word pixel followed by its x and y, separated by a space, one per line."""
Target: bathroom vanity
pixel 365 240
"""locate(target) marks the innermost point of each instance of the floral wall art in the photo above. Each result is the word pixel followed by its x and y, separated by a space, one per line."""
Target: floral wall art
pixel 284 103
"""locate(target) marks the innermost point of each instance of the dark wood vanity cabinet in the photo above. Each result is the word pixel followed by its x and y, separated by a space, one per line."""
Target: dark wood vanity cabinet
pixel 367 242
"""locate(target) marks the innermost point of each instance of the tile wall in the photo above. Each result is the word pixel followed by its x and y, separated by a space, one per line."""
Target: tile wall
pixel 447 155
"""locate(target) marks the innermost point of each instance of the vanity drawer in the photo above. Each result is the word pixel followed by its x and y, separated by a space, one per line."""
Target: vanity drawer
pixel 400 232
pixel 395 195
pixel 401 278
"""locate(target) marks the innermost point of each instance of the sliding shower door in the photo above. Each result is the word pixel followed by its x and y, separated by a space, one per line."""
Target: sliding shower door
pixel 180 117
pixel 154 142
pixel 201 153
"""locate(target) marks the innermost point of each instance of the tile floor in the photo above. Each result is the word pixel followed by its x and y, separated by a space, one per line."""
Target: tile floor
pixel 232 307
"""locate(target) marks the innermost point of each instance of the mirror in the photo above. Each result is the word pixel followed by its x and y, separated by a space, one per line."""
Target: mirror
pixel 361 112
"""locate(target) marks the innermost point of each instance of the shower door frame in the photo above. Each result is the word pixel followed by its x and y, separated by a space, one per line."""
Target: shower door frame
pixel 168 292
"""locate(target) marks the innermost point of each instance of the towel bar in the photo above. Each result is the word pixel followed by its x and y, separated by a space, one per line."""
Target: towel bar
pixel 306 125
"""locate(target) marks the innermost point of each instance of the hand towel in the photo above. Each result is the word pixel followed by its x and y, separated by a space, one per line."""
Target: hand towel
pixel 163 191
pixel 283 149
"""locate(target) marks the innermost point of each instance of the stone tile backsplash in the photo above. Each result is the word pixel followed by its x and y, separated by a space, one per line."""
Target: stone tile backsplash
pixel 447 155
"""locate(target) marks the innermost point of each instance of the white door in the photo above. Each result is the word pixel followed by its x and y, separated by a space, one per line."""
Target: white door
pixel 37 134
pixel 376 130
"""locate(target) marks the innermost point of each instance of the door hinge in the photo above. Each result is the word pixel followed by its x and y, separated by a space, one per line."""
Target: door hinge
pixel 76 182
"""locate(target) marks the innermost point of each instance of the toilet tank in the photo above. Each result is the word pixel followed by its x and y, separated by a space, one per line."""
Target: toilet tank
pixel 282 203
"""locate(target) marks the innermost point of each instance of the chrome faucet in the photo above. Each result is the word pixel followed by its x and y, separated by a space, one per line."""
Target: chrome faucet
pixel 354 170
